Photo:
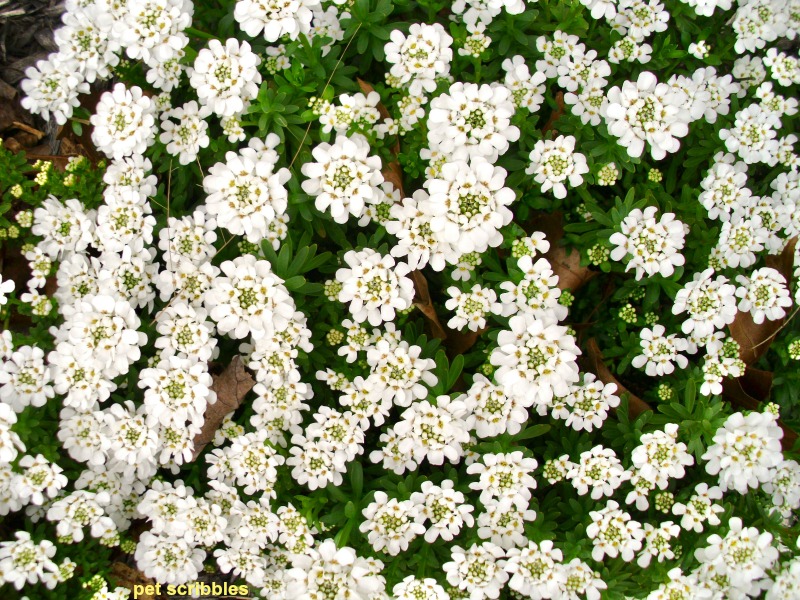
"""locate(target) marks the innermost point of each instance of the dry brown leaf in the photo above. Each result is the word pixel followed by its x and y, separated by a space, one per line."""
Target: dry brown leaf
pixel 231 386
pixel 754 340
pixel 127 577
pixel 555 115
pixel 422 300
pixel 565 264
pixel 459 342
pixel 597 365
pixel 393 173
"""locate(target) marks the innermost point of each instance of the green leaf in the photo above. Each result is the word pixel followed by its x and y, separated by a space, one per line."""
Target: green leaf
pixel 356 478
pixel 455 371
pixel 294 284
pixel 531 432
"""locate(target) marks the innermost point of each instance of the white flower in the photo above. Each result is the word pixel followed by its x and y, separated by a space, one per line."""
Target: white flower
pixel 185 139
pixel 152 30
pixel 711 303
pixel 249 299
pixel 601 8
pixel 24 561
pixel 6 287
pixel 275 19
pixel 52 88
pixel 77 510
pixel 764 294
pixel 412 588
pixel 590 103
pixel 600 470
pixel 587 404
pixel 647 112
pixel 653 245
pixel 555 161
pixel 786 583
pixel 537 359
pixel 660 351
pixel 444 508
pixel 492 411
pixel 613 533
pixel 66 228
pixel 681 586
pixel 504 476
pixel 660 457
pixel 176 390
pixel 166 76
pixel 246 195
pixel 107 327
pixel 556 51
pixel 433 432
pixel 315 463
pixel 124 122
pixel 326 567
pixel 391 524
pixel 526 90
pixel 420 58
pixel 374 286
pixel 700 508
pixel 397 373
pixel 785 487
pixel 168 560
pixel 753 135
pixel 344 178
pixel 745 451
pixel 699 49
pixel 478 570
pixel 129 177
pixel 472 119
pixel 471 307
pixel 742 558
pixel 503 523
pixel 40 479
pixel 86 38
pixel 226 77
pixel 657 543
pixel 706 8
pixel 740 239
pixel 724 190
pixel 533 570
pixel 185 331
pixel 576 578
pixel 468 206
pixel 24 379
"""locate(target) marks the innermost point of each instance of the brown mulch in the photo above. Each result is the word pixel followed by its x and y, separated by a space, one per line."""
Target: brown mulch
pixel 26 36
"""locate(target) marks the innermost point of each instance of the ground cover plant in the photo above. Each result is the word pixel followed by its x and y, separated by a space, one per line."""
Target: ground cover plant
pixel 406 300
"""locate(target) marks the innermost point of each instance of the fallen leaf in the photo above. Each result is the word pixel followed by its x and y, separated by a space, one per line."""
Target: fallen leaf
pixel 755 339
pixel 393 173
pixel 555 115
pixel 596 364
pixel 422 300
pixel 459 342
pixel 127 577
pixel 231 386
pixel 566 264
